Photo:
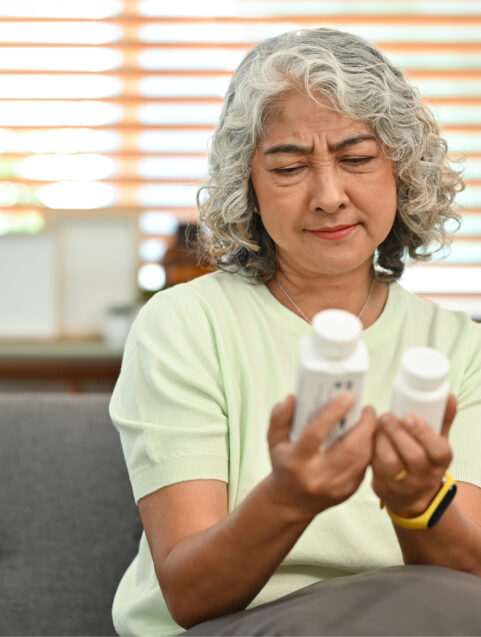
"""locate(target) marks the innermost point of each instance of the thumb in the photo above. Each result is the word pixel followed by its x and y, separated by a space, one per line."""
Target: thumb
pixel 318 428
pixel 281 421
pixel 449 414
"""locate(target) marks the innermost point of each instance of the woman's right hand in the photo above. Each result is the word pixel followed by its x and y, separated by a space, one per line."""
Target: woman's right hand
pixel 210 562
pixel 307 478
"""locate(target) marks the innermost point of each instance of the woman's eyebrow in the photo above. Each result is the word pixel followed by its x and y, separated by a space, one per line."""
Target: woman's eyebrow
pixel 295 149
pixel 288 148
pixel 351 141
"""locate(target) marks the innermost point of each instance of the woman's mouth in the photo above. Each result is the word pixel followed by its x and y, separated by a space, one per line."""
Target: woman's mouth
pixel 334 232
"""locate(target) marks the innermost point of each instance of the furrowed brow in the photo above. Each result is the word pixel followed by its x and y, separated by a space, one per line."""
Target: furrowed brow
pixel 296 149
pixel 292 149
pixel 352 141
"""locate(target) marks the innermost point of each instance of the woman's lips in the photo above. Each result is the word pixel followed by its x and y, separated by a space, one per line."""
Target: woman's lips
pixel 337 232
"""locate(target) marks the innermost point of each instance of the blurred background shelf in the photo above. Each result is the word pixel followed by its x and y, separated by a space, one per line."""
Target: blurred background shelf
pixel 72 366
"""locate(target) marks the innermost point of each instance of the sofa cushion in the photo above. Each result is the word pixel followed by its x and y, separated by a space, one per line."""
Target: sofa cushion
pixel 69 526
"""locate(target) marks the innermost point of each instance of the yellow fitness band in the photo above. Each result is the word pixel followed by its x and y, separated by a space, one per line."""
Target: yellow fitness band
pixel 435 510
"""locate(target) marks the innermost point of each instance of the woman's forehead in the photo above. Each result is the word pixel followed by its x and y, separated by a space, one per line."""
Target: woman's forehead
pixel 298 118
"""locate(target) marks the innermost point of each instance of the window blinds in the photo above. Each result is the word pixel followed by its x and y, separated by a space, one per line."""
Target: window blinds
pixel 108 105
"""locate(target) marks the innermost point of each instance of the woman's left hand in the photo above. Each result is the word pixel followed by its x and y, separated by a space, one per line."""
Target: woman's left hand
pixel 409 461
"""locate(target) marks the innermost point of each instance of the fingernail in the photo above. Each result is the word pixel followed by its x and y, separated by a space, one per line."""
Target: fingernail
pixel 409 420
pixel 384 419
pixel 370 411
pixel 346 400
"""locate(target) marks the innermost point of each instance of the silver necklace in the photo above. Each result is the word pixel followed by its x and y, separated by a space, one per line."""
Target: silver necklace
pixel 305 317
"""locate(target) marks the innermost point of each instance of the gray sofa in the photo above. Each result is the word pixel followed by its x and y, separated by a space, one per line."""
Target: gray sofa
pixel 69 526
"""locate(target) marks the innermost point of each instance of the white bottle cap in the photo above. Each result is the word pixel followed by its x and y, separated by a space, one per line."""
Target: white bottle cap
pixel 424 368
pixel 336 333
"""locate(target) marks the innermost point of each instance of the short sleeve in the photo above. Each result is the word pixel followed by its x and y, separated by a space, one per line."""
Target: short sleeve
pixel 465 434
pixel 168 404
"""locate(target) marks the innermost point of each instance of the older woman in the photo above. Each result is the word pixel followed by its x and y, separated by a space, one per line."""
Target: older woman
pixel 326 172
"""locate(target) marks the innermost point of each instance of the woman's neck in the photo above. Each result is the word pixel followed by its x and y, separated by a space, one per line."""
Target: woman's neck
pixel 356 292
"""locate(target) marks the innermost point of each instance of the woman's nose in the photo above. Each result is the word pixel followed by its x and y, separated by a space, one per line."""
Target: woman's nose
pixel 328 191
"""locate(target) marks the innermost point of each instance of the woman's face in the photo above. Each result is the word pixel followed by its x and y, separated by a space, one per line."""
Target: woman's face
pixel 326 191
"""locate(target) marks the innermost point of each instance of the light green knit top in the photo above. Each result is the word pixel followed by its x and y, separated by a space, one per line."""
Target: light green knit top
pixel 203 366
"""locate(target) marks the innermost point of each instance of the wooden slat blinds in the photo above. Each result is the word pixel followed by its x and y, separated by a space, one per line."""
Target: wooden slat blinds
pixel 109 105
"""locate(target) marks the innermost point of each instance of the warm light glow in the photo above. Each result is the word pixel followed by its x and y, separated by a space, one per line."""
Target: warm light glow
pixel 431 87
pixel 218 32
pixel 95 9
pixel 154 8
pixel 151 277
pixel 59 59
pixel 426 278
pixel 173 167
pixel 9 194
pixel 60 140
pixel 7 141
pixel 71 167
pixel 154 222
pixel 77 195
pixel 472 169
pixel 469 198
pixel 152 250
pixel 464 114
pixel 461 142
pixel 192 141
pixel 461 252
pixel 259 8
pixel 177 195
pixel 253 32
pixel 184 86
pixel 180 113
pixel 59 113
pixel 60 32
pixel 215 59
pixel 60 86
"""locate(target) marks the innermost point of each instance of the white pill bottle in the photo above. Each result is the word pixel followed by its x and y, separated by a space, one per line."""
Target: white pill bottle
pixel 332 360
pixel 421 386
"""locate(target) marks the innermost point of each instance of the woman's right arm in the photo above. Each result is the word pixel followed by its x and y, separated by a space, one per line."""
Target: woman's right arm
pixel 210 563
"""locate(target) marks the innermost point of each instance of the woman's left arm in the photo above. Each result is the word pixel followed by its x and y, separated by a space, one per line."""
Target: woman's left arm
pixel 410 444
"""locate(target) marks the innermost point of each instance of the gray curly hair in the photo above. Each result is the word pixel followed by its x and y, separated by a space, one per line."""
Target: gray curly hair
pixel 361 83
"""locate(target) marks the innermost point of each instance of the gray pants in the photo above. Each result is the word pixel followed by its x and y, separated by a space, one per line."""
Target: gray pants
pixel 400 600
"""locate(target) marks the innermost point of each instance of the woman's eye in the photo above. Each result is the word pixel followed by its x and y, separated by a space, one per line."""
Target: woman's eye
pixel 287 171
pixel 356 161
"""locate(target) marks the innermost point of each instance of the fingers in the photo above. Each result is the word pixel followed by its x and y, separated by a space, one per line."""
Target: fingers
pixel 359 437
pixel 409 443
pixel 357 445
pixel 356 436
pixel 317 429
pixel 309 478
pixel 434 447
pixel 412 445
pixel 386 459
pixel 410 450
pixel 280 422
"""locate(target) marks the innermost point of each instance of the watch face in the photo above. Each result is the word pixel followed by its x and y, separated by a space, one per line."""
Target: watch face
pixel 442 506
